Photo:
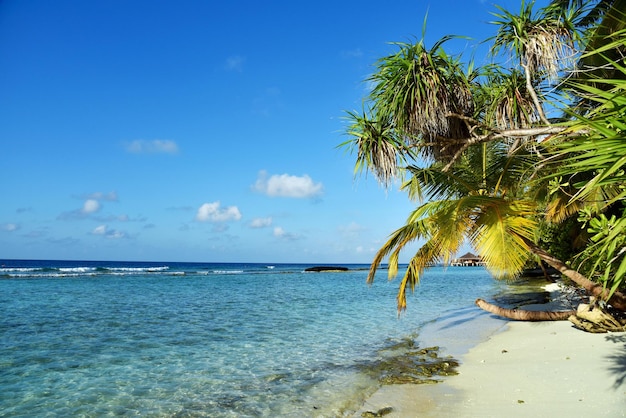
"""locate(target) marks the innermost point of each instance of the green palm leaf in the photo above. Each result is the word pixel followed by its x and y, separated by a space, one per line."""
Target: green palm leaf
pixel 417 88
pixel 500 226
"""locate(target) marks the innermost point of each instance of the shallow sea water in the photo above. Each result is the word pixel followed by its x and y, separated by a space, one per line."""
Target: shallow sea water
pixel 195 340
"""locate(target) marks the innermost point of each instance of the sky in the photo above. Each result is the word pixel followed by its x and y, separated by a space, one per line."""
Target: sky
pixel 201 131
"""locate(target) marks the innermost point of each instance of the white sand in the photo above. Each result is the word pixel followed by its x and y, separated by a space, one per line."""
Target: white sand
pixel 532 369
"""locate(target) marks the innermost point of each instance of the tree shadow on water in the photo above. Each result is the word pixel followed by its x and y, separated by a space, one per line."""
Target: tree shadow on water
pixel 618 359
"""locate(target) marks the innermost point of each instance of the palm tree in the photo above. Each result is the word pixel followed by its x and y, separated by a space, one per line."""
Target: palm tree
pixel 424 104
pixel 416 89
pixel 543 43
pixel 464 203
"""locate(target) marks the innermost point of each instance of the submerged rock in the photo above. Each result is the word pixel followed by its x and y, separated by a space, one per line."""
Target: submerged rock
pixel 380 413
pixel 326 268
pixel 421 366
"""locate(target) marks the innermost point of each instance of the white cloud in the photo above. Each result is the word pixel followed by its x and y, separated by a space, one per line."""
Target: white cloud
pixel 156 146
pixel 106 232
pixel 235 63
pixel 10 227
pixel 212 212
pixel 114 234
pixel 279 232
pixel 90 206
pixel 100 230
pixel 285 185
pixel 261 222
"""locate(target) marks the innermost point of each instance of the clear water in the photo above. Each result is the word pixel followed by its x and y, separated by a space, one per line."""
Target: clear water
pixel 192 340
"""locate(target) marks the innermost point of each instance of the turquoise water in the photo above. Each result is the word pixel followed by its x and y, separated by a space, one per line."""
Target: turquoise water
pixel 192 340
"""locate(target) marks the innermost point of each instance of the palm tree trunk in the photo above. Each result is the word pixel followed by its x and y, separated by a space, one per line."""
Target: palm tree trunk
pixel 617 300
pixel 522 315
pixel 533 95
pixel 545 273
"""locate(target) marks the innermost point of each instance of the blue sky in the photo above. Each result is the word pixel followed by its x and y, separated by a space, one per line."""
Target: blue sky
pixel 199 130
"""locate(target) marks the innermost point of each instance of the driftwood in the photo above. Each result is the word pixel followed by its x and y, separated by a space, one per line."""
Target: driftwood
pixel 591 318
pixel 523 315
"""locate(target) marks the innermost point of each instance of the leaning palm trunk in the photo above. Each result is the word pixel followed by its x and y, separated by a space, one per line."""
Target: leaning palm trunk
pixel 617 300
pixel 522 315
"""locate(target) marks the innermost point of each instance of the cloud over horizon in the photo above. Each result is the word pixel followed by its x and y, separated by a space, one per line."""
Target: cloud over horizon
pixel 106 232
pixel 90 207
pixel 279 232
pixel 213 212
pixel 261 222
pixel 285 185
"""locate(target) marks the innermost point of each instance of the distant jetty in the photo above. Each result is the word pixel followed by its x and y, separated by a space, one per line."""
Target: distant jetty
pixel 326 268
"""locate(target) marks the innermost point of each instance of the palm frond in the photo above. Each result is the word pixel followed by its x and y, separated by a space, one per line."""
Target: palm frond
pixel 600 145
pixel 414 271
pixel 508 102
pixel 498 236
pixel 431 183
pixel 408 233
pixel 377 146
pixel 417 89
pixel 544 42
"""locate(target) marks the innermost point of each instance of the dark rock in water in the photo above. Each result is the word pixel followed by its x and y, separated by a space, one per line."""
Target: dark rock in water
pixel 326 268
pixel 422 366
pixel 380 413
pixel 538 272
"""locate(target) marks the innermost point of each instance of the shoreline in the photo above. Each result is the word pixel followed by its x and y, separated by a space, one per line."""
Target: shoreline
pixel 515 369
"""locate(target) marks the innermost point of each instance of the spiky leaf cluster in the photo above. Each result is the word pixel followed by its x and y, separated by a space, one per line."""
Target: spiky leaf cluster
pixel 418 89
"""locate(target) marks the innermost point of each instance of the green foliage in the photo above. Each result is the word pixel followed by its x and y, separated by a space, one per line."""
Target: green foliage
pixel 507 102
pixel 486 166
pixel 598 151
pixel 460 205
pixel 605 258
pixel 562 240
pixel 417 88
pixel 544 42
pixel 377 145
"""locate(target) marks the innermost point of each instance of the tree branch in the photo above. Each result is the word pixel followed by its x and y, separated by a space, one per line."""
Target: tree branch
pixel 533 95
pixel 499 134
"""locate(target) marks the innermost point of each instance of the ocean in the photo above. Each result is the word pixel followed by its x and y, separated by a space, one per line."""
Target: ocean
pixel 91 339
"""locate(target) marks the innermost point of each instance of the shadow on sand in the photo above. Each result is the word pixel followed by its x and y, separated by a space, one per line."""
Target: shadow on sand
pixel 618 359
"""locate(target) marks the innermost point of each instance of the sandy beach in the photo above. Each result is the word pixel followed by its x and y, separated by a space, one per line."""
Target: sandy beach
pixel 525 369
